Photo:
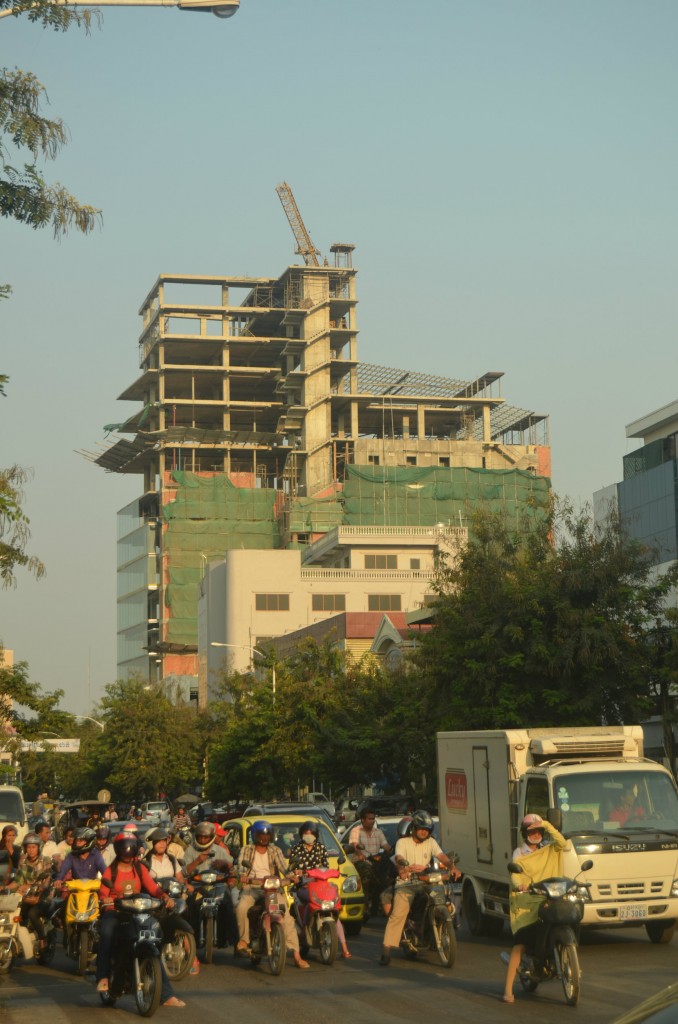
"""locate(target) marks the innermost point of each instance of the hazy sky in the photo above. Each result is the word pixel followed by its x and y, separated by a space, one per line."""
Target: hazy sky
pixel 507 170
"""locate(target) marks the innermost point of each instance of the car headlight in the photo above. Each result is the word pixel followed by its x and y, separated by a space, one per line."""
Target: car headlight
pixel 351 884
pixel 583 893
pixel 674 887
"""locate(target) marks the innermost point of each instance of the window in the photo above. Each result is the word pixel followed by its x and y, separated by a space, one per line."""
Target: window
pixel 381 561
pixel 272 602
pixel 383 602
pixel 373 460
pixel 537 797
pixel 410 460
pixel 415 563
pixel 328 602
pixel 444 460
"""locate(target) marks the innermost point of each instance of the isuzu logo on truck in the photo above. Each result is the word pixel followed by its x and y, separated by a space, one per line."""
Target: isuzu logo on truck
pixel 456 793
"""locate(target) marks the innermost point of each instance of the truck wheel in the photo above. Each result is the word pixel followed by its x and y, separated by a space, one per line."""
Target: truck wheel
pixel 660 932
pixel 478 923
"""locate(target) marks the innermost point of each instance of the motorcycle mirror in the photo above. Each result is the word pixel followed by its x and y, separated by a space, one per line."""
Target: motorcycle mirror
pixel 452 857
pixel 586 866
pixel 515 869
pixel 341 859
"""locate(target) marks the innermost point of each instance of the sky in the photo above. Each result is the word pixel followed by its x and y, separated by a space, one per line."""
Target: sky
pixel 506 169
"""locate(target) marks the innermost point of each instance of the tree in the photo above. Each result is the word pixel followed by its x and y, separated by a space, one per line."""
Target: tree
pixel 24 194
pixel 532 630
pixel 14 528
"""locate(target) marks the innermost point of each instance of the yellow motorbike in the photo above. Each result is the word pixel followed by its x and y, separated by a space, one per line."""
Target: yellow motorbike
pixel 81 916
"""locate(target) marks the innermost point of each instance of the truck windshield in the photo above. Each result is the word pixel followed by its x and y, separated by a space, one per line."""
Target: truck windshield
pixel 11 807
pixel 616 799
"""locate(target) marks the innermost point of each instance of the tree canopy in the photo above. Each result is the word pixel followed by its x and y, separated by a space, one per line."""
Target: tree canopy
pixel 15 528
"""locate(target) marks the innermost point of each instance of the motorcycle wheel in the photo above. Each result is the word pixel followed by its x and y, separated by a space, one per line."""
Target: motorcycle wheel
pixel 179 954
pixel 47 954
pixel 277 948
pixel 6 961
pixel 107 999
pixel 147 995
pixel 570 973
pixel 83 951
pixel 328 942
pixel 446 940
pixel 210 925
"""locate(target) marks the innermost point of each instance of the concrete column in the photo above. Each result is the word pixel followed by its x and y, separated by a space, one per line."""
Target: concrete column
pixel 406 428
pixel 421 422
pixel 354 421
pixel 487 430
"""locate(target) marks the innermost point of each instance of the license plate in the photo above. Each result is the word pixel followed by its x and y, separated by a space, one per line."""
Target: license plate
pixel 631 912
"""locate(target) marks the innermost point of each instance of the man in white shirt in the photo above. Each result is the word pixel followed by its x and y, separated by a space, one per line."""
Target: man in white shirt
pixel 49 847
pixel 412 856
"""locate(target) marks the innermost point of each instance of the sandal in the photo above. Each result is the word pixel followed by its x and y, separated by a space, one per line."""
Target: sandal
pixel 302 964
pixel 346 954
pixel 174 1001
pixel 102 985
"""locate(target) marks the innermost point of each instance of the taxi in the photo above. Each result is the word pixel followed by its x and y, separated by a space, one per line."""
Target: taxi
pixel 285 834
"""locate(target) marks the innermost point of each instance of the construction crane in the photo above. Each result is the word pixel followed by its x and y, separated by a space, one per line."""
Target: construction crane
pixel 305 246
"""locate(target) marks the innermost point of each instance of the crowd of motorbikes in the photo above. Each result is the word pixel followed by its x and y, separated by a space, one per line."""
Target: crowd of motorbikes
pixel 150 933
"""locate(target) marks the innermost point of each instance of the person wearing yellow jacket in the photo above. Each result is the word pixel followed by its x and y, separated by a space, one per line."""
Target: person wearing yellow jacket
pixel 540 857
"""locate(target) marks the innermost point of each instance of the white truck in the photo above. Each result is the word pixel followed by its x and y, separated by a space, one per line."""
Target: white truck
pixel 577 778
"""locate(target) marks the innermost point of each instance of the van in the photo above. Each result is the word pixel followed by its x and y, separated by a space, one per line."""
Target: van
pixel 13 811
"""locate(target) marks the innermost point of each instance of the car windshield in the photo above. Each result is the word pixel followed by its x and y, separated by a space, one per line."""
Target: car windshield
pixel 286 834
pixel 612 800
pixel 157 806
pixel 11 807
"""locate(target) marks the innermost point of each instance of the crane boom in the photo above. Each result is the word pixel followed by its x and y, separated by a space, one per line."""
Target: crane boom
pixel 305 246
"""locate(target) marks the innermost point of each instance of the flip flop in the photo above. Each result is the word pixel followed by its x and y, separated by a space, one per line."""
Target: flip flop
pixel 174 1001
pixel 102 985
pixel 303 965
pixel 508 999
pixel 346 955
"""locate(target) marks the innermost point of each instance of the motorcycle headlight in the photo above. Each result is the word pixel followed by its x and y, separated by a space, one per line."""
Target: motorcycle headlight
pixel 209 877
pixel 139 903
pixel 326 904
pixel 272 883
pixel 556 888
pixel 351 884
pixel 434 878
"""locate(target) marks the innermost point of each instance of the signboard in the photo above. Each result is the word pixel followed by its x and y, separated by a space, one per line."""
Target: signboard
pixel 456 791
pixel 60 746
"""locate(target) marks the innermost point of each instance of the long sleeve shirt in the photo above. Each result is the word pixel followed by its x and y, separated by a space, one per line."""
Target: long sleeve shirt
pixel 546 862
pixel 84 869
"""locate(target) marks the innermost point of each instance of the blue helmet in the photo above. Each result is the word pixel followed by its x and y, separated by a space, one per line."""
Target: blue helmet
pixel 261 828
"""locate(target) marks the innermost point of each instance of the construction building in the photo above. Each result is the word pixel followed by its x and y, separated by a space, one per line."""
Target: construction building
pixel 257 428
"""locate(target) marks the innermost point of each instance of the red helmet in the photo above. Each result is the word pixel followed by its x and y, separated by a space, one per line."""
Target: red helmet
pixel 126 845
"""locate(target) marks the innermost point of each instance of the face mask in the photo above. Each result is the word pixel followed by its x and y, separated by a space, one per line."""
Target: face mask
pixel 309 838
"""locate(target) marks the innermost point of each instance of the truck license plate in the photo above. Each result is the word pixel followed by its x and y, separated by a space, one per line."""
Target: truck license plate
pixel 632 913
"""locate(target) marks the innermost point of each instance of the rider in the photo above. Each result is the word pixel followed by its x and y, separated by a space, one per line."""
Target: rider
pixel 412 855
pixel 181 819
pixel 203 854
pixel 309 853
pixel 366 841
pixel 258 860
pixel 544 861
pixel 104 844
pixel 44 834
pixel 159 862
pixel 31 866
pixel 84 862
pixel 125 874
pixel 386 897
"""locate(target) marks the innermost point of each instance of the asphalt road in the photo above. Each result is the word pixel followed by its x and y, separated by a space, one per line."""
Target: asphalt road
pixel 619 969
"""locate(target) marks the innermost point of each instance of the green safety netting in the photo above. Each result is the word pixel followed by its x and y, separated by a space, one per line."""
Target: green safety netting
pixel 311 515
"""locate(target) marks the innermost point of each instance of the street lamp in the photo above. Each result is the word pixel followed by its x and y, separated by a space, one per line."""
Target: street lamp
pixel 253 651
pixel 222 8
pixel 85 718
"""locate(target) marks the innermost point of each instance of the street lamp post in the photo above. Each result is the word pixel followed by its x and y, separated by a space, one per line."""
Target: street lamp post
pixel 253 651
pixel 222 8
pixel 85 718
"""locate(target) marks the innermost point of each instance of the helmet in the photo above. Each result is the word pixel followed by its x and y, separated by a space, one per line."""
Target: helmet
pixel 204 835
pixel 103 832
pixel 31 838
pixel 422 819
pixel 261 828
pixel 156 834
pixel 404 827
pixel 531 823
pixel 83 841
pixel 126 845
pixel 130 827
pixel 309 826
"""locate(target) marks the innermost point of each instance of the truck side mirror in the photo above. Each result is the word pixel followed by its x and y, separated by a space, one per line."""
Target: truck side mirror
pixel 554 815
pixel 515 869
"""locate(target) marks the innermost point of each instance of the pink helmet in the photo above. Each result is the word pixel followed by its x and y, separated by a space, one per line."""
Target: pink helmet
pixel 530 823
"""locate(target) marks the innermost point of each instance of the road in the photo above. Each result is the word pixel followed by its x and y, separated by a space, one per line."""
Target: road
pixel 620 969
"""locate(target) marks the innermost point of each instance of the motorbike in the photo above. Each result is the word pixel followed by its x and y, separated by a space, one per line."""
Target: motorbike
pixel 210 889
pixel 136 954
pixel 560 913
pixel 267 933
pixel 317 917
pixel 178 950
pixel 17 938
pixel 79 915
pixel 430 923
pixel 376 874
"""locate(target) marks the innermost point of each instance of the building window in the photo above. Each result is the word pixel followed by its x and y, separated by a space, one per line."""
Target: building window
pixel 272 602
pixel 429 600
pixel 410 460
pixel 373 460
pixel 444 460
pixel 415 563
pixel 381 561
pixel 383 602
pixel 328 602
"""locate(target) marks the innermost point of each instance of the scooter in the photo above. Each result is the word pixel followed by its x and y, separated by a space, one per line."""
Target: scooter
pixel 80 917
pixel 210 889
pixel 430 922
pixel 560 914
pixel 178 951
pixel 136 954
pixel 267 934
pixel 317 916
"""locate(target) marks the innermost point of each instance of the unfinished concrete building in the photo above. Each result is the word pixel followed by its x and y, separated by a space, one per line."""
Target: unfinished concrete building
pixel 252 405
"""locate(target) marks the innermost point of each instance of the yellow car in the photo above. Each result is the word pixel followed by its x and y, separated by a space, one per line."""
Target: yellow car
pixel 286 834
